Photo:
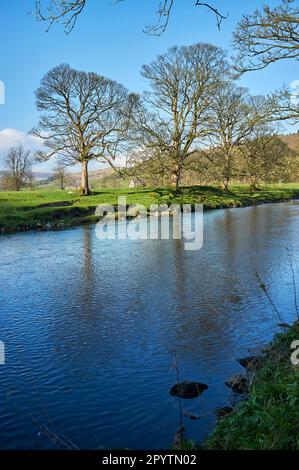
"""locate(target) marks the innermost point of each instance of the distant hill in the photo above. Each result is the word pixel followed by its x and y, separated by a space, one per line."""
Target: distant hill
pixel 37 175
pixel 292 140
pixel 41 175
pixel 102 178
pixel 94 174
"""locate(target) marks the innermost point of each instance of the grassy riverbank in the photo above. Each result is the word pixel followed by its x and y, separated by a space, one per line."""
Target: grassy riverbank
pixel 269 418
pixel 27 210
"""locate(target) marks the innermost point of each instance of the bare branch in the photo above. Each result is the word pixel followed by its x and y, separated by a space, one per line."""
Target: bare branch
pixel 219 16
pixel 267 36
pixel 68 11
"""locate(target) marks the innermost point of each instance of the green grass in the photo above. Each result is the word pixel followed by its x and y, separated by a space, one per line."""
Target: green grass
pixel 33 209
pixel 269 418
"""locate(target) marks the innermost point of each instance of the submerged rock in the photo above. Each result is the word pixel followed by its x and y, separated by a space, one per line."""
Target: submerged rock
pixel 191 415
pixel 224 411
pixel 188 389
pixel 238 383
pixel 284 325
pixel 251 363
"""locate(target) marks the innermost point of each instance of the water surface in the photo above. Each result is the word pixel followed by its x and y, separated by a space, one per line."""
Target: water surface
pixel 90 327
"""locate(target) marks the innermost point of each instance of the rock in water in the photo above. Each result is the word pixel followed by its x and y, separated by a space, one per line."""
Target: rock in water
pixel 191 416
pixel 251 363
pixel 188 389
pixel 238 383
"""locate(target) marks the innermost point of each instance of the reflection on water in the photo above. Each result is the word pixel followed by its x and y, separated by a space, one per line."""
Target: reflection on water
pixel 90 326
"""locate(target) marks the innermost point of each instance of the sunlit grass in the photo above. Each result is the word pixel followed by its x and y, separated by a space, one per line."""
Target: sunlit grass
pixel 30 209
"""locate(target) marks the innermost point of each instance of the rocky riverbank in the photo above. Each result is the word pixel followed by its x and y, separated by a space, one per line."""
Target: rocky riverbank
pixel 268 416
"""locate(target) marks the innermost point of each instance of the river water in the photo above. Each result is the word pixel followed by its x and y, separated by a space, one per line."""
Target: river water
pixel 90 327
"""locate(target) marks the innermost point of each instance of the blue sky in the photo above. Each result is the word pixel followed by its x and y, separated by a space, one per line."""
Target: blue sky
pixel 108 39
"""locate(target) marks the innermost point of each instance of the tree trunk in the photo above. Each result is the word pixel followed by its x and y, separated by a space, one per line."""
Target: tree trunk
pixel 225 184
pixel 227 170
pixel 84 182
pixel 175 178
pixel 253 184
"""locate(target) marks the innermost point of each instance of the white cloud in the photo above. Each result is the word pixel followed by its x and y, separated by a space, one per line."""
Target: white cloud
pixel 12 138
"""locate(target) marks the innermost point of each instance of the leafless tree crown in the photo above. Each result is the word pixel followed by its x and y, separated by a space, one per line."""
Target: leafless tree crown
pixel 84 117
pixel 266 36
pixel 17 168
pixel 183 83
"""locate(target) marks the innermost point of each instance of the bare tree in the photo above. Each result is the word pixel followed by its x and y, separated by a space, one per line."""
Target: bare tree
pixel 84 117
pixel 60 175
pixel 183 83
pixel 18 168
pixel 266 36
pixel 68 11
pixel 234 116
pixel 253 162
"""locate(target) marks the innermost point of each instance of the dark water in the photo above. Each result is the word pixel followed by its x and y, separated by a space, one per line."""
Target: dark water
pixel 90 326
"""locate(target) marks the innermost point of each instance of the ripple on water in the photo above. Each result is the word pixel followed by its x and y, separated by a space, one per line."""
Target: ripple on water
pixel 90 326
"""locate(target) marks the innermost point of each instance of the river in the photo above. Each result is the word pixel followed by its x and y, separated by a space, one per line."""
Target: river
pixel 90 327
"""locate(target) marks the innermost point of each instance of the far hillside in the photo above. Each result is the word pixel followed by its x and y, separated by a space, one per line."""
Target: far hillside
pixel 103 178
pixel 292 140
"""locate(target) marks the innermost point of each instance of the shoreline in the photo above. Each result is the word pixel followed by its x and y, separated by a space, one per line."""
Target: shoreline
pixel 267 417
pixel 61 215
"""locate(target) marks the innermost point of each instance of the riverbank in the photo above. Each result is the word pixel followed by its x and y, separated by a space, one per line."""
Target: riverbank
pixel 269 418
pixel 43 210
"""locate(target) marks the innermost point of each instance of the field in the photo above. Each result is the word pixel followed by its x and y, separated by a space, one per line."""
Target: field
pixel 27 210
